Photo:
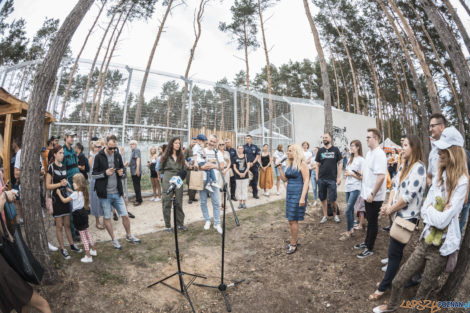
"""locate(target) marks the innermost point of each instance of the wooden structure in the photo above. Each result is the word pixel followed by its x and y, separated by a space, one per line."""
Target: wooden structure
pixel 222 135
pixel 12 118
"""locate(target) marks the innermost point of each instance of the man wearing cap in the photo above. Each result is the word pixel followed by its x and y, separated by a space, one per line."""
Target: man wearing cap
pixel 70 157
pixel 252 153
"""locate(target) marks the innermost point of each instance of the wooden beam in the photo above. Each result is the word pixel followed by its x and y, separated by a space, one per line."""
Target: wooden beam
pixel 7 148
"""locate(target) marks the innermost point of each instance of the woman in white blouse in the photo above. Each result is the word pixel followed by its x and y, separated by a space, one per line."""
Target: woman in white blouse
pixel 278 156
pixel 405 200
pixel 451 184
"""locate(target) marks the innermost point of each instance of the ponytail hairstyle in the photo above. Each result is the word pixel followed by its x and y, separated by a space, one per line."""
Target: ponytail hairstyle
pixel 80 181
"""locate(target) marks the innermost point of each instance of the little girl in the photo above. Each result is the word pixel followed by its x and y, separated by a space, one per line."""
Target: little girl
pixel 80 207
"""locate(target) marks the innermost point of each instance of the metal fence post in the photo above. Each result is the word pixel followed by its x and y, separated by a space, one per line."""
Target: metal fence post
pixel 235 116
pixel 190 106
pixel 262 117
pixel 292 121
pixel 126 98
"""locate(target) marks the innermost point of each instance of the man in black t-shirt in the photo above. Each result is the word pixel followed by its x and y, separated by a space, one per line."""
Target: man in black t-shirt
pixel 328 175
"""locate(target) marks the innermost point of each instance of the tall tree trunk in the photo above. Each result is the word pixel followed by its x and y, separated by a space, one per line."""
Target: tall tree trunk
pixel 457 57
pixel 345 86
pixel 432 90
pixel 138 110
pixel 247 110
pixel 268 73
pixel 438 59
pixel 34 125
pixel 459 24
pixel 92 70
pixel 376 87
pixel 416 82
pixel 197 34
pixel 336 80
pixel 75 64
pixel 324 71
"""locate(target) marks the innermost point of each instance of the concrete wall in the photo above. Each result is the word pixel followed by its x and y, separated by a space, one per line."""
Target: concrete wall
pixel 309 124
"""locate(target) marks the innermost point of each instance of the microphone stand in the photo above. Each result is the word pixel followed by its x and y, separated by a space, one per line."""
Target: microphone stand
pixel 222 287
pixel 183 287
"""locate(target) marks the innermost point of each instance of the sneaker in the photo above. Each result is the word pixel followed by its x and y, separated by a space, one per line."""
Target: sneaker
pixel 315 203
pixel 65 254
pixel 152 199
pixel 384 261
pixel 133 239
pixel 240 206
pixel 244 206
pixel 76 249
pixel 190 201
pixel 115 217
pixel 86 259
pixel 116 244
pixel 169 230
pixel 365 254
pixel 256 197
pixel 277 193
pixel 324 219
pixel 208 188
pixel 207 225
pixel 52 248
pixel 360 246
pixel 267 193
pixel 218 228
pixel 384 268
pixel 182 228
pixel 157 199
pixel 93 252
pixel 130 214
pixel 337 219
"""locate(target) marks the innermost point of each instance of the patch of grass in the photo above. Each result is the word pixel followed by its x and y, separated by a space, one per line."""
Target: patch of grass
pixel 157 258
pixel 104 277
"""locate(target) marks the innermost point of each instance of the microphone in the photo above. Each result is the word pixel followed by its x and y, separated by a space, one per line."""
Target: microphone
pixel 280 162
pixel 176 181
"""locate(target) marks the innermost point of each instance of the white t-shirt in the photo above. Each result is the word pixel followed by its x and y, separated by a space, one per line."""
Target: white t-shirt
pixel 375 164
pixel 308 154
pixel 211 158
pixel 78 201
pixel 279 155
pixel 18 160
pixel 197 151
pixel 352 183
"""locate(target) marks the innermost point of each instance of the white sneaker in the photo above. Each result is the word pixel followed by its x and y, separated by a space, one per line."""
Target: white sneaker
pixel 218 228
pixel 207 225
pixel 157 199
pixel 152 199
pixel 384 268
pixel 93 252
pixel 52 248
pixel 384 261
pixel 267 193
pixel 324 219
pixel 87 259
pixel 116 244
pixel 208 188
pixel 278 193
pixel 337 219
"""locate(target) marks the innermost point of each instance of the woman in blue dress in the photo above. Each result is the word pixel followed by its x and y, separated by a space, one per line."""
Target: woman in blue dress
pixel 297 177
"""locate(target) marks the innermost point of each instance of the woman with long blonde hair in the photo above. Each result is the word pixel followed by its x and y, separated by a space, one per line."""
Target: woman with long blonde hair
pixel 297 177
pixel 451 186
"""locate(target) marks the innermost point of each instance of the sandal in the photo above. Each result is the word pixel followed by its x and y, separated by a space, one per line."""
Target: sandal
pixel 291 249
pixel 99 226
pixel 376 295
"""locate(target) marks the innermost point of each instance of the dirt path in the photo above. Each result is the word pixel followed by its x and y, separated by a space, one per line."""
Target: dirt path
pixel 323 276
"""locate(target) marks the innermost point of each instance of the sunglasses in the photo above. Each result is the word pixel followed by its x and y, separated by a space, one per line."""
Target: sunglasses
pixel 112 148
pixel 99 147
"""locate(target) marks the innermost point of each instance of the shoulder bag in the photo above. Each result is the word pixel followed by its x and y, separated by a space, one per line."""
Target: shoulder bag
pixel 402 230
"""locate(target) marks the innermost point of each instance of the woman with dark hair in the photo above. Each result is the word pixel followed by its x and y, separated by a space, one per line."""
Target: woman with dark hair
pixel 353 184
pixel 266 171
pixel 405 201
pixel 171 164
pixel 56 178
pixel 15 293
pixel 440 214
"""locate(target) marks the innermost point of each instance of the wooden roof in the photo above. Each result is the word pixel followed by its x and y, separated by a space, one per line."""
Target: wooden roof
pixel 17 107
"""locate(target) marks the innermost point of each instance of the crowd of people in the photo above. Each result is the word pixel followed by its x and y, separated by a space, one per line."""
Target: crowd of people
pixel 77 186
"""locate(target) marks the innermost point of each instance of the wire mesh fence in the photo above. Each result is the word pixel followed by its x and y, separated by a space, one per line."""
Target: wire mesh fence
pixel 96 99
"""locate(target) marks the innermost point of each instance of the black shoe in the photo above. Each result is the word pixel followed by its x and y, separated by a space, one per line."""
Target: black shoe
pixel 365 253
pixel 256 197
pixel 76 249
pixel 190 201
pixel 234 198
pixel 360 246
pixel 137 203
pixel 65 254
pixel 194 200
pixel 115 217
pixel 130 214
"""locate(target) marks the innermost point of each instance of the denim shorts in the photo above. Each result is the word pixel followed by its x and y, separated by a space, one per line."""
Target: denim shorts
pixel 113 200
pixel 283 169
pixel 326 188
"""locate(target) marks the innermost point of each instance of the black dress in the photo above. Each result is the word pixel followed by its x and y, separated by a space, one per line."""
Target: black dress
pixel 58 173
pixel 14 291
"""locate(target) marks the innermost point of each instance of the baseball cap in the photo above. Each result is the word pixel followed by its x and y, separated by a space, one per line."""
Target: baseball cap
pixel 54 138
pixel 449 137
pixel 70 133
pixel 200 137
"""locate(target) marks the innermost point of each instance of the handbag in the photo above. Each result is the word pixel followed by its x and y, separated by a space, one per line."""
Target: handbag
pixel 196 180
pixel 17 254
pixel 402 230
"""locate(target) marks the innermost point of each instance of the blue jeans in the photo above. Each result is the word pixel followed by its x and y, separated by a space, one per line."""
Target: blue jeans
pixel 395 254
pixel 313 179
pixel 210 175
pixel 463 215
pixel 113 200
pixel 215 199
pixel 351 198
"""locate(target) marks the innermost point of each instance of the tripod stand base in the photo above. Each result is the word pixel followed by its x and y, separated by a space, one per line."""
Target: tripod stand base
pixel 223 288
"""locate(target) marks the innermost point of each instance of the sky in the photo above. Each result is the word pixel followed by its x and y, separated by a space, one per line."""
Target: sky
pixel 287 31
